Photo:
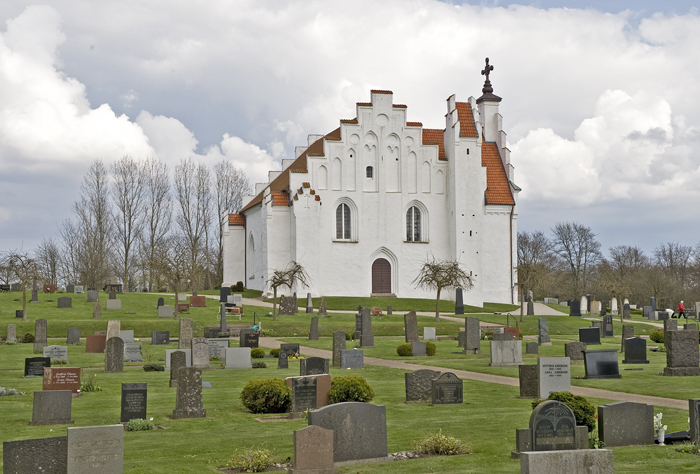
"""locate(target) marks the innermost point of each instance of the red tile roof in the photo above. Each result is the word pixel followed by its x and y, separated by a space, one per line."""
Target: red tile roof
pixel 236 219
pixel 306 185
pixel 279 199
pixel 399 106
pixel 318 198
pixel 352 121
pixel 364 104
pixel 414 124
pixel 497 187
pixel 433 136
pixel 375 91
pixel 466 120
pixel 334 135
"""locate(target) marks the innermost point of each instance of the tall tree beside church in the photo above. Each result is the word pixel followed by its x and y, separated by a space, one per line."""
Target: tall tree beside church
pixel 128 193
pixel 577 246
pixel 536 262
pixel 231 185
pixel 439 274
pixel 158 210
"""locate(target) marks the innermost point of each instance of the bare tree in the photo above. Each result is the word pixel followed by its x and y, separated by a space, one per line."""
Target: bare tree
pixel 231 185
pixel 536 262
pixel 577 246
pixel 293 274
pixel 194 211
pixel 438 274
pixel 173 263
pixel 48 260
pixel 69 268
pixel 158 207
pixel 128 193
pixel 675 260
pixel 24 269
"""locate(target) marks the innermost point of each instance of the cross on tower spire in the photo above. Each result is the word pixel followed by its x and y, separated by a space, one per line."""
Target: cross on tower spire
pixel 487 84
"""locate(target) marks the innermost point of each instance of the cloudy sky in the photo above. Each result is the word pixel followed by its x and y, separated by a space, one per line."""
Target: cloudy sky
pixel 600 98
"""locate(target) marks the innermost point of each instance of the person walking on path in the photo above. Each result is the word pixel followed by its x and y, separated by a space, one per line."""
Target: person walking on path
pixel 681 311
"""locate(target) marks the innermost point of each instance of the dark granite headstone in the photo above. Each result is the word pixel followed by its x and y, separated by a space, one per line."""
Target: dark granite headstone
pixel 189 394
pixel 224 292
pixel 42 455
pixel 553 427
pixel 309 304
pixel 114 355
pixel 352 359
pixel 19 313
pixel 603 308
pixel 161 302
pixel 601 364
pixel 359 430
pixel 608 326
pixel 635 351
pixel 92 296
pixel 530 308
pixel 626 424
pixel 52 407
pixel 461 338
pixel 35 296
pixel 366 338
pixel 472 335
pixel 178 359
pixel 313 332
pixel 419 349
pixel 251 339
pixel 73 336
pixel 459 302
pixel 419 385
pixel 40 335
pixel 289 349
pixel 627 332
pixel 358 326
pixel 282 361
pixel 389 309
pixel 626 312
pixel 575 308
pixel 682 356
pixel 303 394
pixel 532 348
pixel 447 389
pixel 543 332
pixel 589 336
pixel 134 397
pixel 160 337
pixel 65 302
pixel 529 384
pixel 34 366
pixel 338 345
pixel 112 295
pixel 574 351
pixel 313 366
pixel 653 304
pixel 694 418
pixel 411 327
pixel 503 336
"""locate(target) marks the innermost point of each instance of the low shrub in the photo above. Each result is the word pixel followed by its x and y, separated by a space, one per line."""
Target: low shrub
pixel 239 286
pixel 405 349
pixel 584 412
pixel 257 353
pixel 430 348
pixel 266 396
pixel 89 384
pixel 259 365
pixel 349 335
pixel 657 336
pixel 275 353
pixel 139 424
pixel 350 389
pixel 153 368
pixel 440 444
pixel 251 460
pixel 27 338
pixel 58 362
pixel 486 335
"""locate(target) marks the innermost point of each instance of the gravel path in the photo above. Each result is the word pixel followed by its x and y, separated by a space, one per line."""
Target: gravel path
pixel 490 378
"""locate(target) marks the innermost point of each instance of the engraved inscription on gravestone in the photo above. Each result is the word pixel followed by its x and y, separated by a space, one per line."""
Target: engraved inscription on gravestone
pixel 134 397
pixel 303 394
pixel 553 427
pixel 93 449
pixel 34 366
pixel 419 385
pixel 62 378
pixel 447 389
pixel 554 374
pixel 132 351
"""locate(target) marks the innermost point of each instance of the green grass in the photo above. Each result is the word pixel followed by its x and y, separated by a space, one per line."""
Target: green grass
pixel 486 421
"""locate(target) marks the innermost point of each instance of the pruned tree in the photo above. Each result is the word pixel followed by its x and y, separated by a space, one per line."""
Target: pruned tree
pixel 158 208
pixel 293 274
pixel 438 274
pixel 48 260
pixel 24 269
pixel 577 246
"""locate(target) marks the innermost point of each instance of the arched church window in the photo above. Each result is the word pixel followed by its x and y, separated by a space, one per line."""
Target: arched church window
pixel 413 224
pixel 370 170
pixel 342 222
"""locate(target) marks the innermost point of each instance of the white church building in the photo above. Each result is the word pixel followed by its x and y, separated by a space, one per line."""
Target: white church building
pixel 363 207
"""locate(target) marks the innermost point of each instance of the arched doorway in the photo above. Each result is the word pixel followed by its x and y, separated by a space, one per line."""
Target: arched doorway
pixel 381 276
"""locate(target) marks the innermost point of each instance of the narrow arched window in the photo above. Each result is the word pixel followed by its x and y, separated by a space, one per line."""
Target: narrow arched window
pixel 413 224
pixel 370 171
pixel 342 222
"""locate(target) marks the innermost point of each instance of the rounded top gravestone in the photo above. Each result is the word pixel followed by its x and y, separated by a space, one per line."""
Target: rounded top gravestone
pixel 553 427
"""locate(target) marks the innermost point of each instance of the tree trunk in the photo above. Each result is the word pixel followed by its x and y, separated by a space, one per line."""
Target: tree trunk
pixel 24 301
pixel 437 306
pixel 521 303
pixel 274 304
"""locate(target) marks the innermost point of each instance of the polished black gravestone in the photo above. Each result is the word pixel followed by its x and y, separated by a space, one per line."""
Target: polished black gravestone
pixel 133 401
pixel 601 364
pixel 314 366
pixel 34 366
pixel 575 308
pixel 161 302
pixel 459 302
pixel 447 389
pixel 224 292
pixel 635 351
pixel 160 337
pixel 303 394
pixel 608 326
pixel 589 336
pixel 251 339
pixel 553 427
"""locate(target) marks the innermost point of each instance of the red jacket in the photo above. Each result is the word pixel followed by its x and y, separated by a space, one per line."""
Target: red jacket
pixel 681 308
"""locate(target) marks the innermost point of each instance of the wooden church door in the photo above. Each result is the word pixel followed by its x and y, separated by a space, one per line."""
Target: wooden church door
pixel 381 276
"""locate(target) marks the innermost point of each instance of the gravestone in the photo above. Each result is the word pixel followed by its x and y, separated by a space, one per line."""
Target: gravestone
pixel 599 325
pixel 608 326
pixel 113 329
pixel 134 397
pixel 35 296
pixel 198 301
pixel 322 311
pixel 79 289
pixel 626 424
pixel 132 352
pixel 596 308
pixel 127 335
pixel 528 381
pixel 200 353
pixel 603 308
pixel 73 336
pixel 62 378
pixel 670 325
pixel 513 331
pixel 694 418
pixel 112 295
pixel 505 353
pixel 366 338
pixel 64 302
pixel 682 358
pixel 217 347
pixel 411 327
pixel 647 312
pixel 543 332
pixel 39 335
pixel 338 345
pixel 238 358
pixel 553 427
pixel 19 313
pixel 352 359
pixel 554 375
pixel 242 334
pixel 419 385
pixel 92 296
pixel 313 450
pixel 52 407
pixel 589 336
pixel 575 308
pixel 359 430
pixel 429 334
pixel 459 302
pixel 223 325
pixel 627 332
pixel 532 348
pixel 626 314
pixel 188 357
pixel 447 389
pixel 472 335
pixel 579 461
pixel 49 455
pixel 165 311
pixel 314 366
pixel 160 337
pixel 114 355
pixel 94 449
pixel 189 394
pixel 461 338
pixel 613 307
pixel 601 364
pixel 323 387
pixel 303 394
pixel 313 332
pixel 309 304
pixel 161 302
pixel 358 326
pixel 95 343
pixel 574 351
pixel 12 332
pixel 289 349
pixel 652 304
pixel 288 305
pixel 177 359
pixel 183 308
pixel 224 293
pixel 97 311
pixel 419 349
pixel 282 360
pixel 114 304
pixel 389 309
pixel 59 353
pixel 530 308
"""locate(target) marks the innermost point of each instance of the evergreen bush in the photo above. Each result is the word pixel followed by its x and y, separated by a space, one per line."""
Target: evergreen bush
pixel 657 336
pixel 405 349
pixel 275 353
pixel 584 412
pixel 350 389
pixel 257 353
pixel 430 348
pixel 266 396
pixel 27 338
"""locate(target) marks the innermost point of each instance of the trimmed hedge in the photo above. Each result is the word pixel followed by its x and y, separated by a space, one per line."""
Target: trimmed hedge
pixel 266 396
pixel 405 349
pixel 350 389
pixel 430 348
pixel 257 353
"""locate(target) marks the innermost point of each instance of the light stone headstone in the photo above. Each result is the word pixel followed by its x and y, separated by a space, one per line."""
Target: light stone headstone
pixel 56 353
pixel 189 394
pixel 554 375
pixel 419 349
pixel 613 306
pixel 132 351
pixel 313 450
pixel 322 311
pixel 113 328
pixel 165 311
pixel 505 353
pixel 309 304
pixel 79 289
pixel 429 334
pixel 238 358
pixel 97 311
pixel 217 347
pixel 94 449
pixel 127 335
pixel 188 357
pixel 11 332
pixel 114 304
pixel 543 332
pixel 200 353
pixel 338 346
pixel 186 333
